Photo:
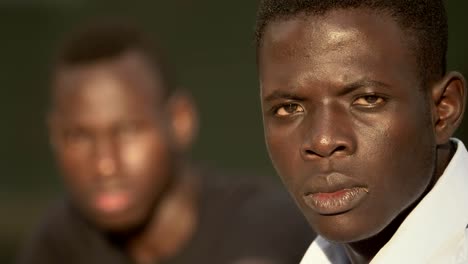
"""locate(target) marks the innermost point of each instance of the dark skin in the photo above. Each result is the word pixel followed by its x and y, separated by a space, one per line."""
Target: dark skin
pixel 351 131
pixel 119 145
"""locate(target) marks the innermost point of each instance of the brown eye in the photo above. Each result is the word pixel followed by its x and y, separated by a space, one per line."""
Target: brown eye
pixel 77 136
pixel 128 130
pixel 289 109
pixel 369 100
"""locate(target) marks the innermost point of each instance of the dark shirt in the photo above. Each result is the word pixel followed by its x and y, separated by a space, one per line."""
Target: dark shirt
pixel 240 219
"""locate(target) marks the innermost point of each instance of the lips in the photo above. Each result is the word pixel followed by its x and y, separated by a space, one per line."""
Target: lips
pixel 334 194
pixel 111 197
pixel 335 202
pixel 112 202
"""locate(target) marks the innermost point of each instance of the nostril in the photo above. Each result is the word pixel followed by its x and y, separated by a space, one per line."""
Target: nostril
pixel 340 148
pixel 324 152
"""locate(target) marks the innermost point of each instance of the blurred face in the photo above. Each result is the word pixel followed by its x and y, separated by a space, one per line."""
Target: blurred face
pixel 346 123
pixel 110 137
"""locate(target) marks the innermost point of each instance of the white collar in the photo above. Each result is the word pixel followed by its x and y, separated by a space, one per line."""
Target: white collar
pixel 434 231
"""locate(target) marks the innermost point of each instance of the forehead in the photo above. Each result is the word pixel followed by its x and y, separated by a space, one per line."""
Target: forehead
pixel 346 42
pixel 334 27
pixel 131 68
pixel 126 85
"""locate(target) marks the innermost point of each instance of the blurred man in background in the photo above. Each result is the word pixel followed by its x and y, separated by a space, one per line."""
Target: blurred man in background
pixel 120 131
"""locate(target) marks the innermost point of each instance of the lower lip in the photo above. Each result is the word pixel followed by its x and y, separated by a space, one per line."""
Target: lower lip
pixel 336 202
pixel 112 202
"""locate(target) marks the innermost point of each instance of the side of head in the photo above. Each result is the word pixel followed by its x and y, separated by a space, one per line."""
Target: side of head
pixel 356 105
pixel 116 124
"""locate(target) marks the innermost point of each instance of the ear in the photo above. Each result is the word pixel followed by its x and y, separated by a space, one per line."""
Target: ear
pixel 448 101
pixel 184 120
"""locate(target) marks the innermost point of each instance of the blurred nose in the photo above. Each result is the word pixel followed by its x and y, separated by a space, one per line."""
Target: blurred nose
pixel 106 162
pixel 328 134
pixel 106 166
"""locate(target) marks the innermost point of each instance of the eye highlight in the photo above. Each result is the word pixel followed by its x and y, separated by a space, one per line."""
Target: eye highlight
pixel 370 100
pixel 288 109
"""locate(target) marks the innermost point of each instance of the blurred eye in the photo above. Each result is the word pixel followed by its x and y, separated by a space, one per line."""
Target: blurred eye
pixel 77 136
pixel 128 129
pixel 288 109
pixel 369 101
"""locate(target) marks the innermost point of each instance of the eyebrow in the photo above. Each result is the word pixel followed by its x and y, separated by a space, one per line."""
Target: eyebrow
pixel 348 88
pixel 275 95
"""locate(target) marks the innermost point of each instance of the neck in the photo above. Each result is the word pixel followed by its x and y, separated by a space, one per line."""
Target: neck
pixel 172 225
pixel 364 251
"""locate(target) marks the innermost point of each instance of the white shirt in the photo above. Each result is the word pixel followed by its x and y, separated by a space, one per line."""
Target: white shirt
pixel 436 231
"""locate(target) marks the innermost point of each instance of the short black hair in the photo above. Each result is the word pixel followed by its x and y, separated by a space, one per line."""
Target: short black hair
pixel 106 40
pixel 425 21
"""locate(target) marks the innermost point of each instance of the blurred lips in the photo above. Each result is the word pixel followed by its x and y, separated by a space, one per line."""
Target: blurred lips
pixel 113 201
pixel 334 194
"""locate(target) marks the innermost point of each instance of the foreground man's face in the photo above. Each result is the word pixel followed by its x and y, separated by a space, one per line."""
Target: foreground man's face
pixel 346 122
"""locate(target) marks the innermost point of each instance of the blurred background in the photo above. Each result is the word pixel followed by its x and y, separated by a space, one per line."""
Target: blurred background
pixel 209 43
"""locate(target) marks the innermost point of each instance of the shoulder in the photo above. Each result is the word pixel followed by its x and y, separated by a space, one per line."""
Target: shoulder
pixel 263 221
pixel 47 240
pixel 63 236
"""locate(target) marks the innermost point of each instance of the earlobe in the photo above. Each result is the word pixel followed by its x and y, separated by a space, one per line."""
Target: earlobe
pixel 449 101
pixel 184 120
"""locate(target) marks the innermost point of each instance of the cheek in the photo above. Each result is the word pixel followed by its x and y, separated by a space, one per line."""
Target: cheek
pixel 146 157
pixel 137 155
pixel 75 169
pixel 283 148
pixel 399 161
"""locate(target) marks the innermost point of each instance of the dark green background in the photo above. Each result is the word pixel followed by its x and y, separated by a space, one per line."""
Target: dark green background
pixel 209 42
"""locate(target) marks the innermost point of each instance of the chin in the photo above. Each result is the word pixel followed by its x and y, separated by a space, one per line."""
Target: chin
pixel 118 223
pixel 342 228
pixel 345 236
pixel 116 226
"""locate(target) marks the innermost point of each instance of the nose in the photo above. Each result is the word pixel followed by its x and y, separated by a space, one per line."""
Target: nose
pixel 329 133
pixel 106 158
pixel 106 166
